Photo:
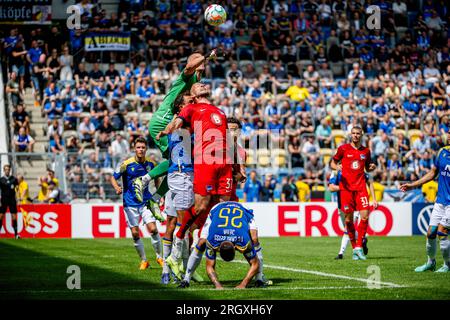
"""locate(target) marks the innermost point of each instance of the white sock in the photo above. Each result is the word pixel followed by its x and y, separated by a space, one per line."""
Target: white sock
pixel 445 249
pixel 156 197
pixel 194 260
pixel 196 237
pixel 177 248
pixel 156 243
pixel 185 251
pixel 431 249
pixel 344 243
pixel 167 249
pixel 139 245
pixel 258 249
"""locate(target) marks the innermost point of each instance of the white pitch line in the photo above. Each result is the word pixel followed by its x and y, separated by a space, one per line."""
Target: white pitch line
pixel 331 275
pixel 188 289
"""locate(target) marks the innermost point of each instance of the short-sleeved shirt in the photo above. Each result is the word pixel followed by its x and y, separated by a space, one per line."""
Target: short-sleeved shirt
pixel 209 125
pixel 353 163
pixel 230 221
pixel 129 170
pixel 442 163
pixel 8 188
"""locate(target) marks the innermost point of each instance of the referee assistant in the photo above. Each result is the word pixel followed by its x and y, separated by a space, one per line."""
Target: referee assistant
pixel 8 185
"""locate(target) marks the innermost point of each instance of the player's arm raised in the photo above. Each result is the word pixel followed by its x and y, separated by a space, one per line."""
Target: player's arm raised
pixel 211 272
pixel 175 124
pixel 195 60
pixel 254 265
pixel 430 175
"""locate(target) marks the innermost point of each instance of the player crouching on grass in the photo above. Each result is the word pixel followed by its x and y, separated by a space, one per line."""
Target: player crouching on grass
pixel 440 216
pixel 134 210
pixel 333 186
pixel 226 229
pixel 352 159
pixel 239 176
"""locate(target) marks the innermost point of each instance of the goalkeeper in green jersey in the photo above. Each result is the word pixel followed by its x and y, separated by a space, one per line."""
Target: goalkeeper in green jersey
pixel 160 119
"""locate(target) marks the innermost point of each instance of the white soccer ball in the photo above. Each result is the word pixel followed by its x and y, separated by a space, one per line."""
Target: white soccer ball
pixel 215 15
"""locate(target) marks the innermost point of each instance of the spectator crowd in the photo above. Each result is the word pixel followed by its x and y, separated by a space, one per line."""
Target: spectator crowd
pixel 302 73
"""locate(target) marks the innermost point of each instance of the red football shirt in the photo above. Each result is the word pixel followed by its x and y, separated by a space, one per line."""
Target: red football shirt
pixel 353 165
pixel 209 125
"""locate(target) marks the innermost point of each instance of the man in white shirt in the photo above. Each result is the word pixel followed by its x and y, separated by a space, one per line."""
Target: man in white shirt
pixel 120 149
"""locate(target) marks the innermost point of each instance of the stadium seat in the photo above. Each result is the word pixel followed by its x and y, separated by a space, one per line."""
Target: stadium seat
pixel 279 157
pixel 337 68
pixel 338 137
pixel 263 157
pixel 250 157
pixel 413 135
pixel 326 154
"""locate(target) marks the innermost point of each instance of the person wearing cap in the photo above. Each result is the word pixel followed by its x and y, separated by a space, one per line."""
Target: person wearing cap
pixel 72 112
pixel 53 193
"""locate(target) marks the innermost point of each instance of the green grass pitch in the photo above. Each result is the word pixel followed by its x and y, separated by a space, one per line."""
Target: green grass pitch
pixel 301 268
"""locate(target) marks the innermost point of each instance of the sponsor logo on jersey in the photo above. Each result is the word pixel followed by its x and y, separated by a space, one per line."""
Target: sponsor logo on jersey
pixel 209 188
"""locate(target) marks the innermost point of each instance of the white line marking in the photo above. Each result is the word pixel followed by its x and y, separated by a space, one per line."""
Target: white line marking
pixel 188 289
pixel 331 275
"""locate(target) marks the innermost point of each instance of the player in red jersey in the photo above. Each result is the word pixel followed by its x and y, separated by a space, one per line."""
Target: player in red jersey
pixel 213 177
pixel 352 159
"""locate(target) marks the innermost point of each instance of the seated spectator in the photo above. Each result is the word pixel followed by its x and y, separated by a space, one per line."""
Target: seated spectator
pixel 267 190
pixel 145 96
pixel 323 134
pixel 54 134
pixel 160 78
pixel 425 164
pixel 105 126
pixel 379 146
pixel 315 168
pixel 421 145
pixel 310 74
pixel 23 142
pixel 135 129
pixel 56 144
pixel 91 165
pixel 291 128
pixel 103 150
pixel 394 167
pixel 412 111
pixel 84 96
pixel 53 109
pixel 297 92
pixel 72 114
pixel 310 147
pixel 356 74
pixel 78 188
pixel 431 74
pixel 74 145
pixel 387 125
pixel 295 151
pixel 21 119
pixel 306 124
pixel 112 77
pixel 86 131
pixel 120 149
pixel 380 109
pixel 220 93
pixel 234 76
pixel 53 194
pixel 142 72
pixel 96 76
pixel 252 188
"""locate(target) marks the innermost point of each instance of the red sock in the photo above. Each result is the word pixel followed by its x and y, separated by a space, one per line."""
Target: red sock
pixel 351 233
pixel 188 219
pixel 362 230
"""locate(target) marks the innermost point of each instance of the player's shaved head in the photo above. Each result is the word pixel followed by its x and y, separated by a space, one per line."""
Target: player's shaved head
pixel 200 90
pixel 227 251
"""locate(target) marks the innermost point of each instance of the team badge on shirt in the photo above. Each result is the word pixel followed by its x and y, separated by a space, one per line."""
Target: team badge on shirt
pixel 363 157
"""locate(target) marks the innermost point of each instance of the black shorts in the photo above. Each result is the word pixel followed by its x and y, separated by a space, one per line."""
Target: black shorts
pixel 11 205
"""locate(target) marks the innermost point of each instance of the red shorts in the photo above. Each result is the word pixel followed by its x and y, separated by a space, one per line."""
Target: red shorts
pixel 213 179
pixel 352 201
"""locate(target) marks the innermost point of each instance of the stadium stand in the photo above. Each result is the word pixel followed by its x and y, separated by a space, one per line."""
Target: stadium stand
pixel 286 69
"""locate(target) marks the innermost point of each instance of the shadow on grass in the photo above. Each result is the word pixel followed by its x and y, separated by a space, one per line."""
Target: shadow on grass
pixel 28 274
